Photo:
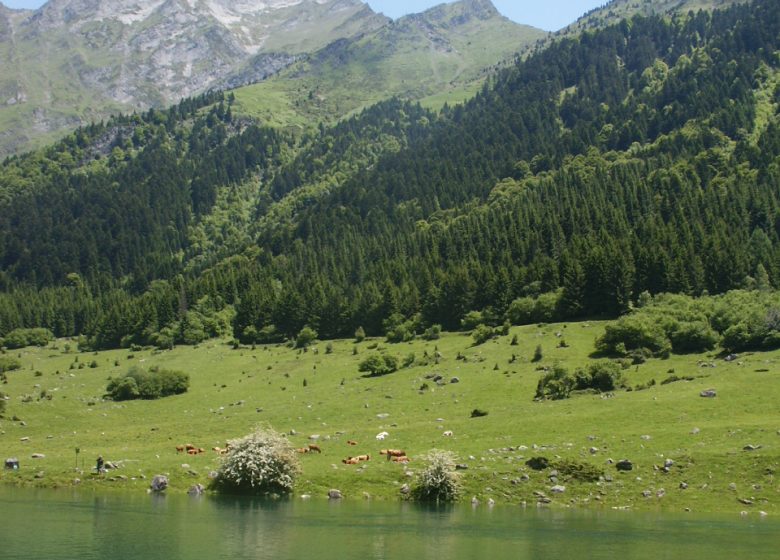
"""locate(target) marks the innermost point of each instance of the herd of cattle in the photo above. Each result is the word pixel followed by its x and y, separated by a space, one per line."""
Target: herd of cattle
pixel 394 455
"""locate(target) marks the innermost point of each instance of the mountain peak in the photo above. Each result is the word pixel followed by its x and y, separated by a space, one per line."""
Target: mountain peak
pixel 457 13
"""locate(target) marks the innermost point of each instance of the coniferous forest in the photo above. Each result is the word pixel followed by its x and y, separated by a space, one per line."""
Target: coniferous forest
pixel 643 157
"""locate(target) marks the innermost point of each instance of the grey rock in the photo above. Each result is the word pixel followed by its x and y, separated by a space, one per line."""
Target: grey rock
pixel 196 490
pixel 683 486
pixel 668 463
pixel 334 494
pixel 558 489
pixel 593 450
pixel 40 474
pixel 709 394
pixel 624 465
pixel 660 493
pixel 751 448
pixel 455 380
pixel 159 483
pixel 38 456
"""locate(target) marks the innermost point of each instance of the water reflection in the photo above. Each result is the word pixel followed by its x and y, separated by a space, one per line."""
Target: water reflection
pixel 66 525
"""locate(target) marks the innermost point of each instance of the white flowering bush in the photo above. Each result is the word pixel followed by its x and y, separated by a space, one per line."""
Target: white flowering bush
pixel 438 481
pixel 263 462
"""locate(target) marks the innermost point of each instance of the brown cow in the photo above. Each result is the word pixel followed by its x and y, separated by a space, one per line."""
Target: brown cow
pixel 351 442
pixel 180 449
pixel 192 451
pixel 302 450
pixel 313 447
pixel 363 458
pixel 400 459
pixel 350 461
pixel 394 453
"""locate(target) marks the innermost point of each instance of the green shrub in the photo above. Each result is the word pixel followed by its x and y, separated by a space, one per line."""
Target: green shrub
pixel 305 338
pixel 432 333
pixel 537 354
pixel 692 337
pixel 633 332
pixel 8 363
pixel 19 338
pixel 472 320
pixel 360 334
pixel 438 481
pixel 148 385
pixel 262 462
pixel 378 364
pixel 603 376
pixel 555 385
pixel 482 334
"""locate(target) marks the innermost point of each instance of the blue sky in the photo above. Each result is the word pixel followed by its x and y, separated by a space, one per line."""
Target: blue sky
pixel 550 14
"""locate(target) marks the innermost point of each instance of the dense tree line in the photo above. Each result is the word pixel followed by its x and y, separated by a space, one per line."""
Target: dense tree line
pixel 642 157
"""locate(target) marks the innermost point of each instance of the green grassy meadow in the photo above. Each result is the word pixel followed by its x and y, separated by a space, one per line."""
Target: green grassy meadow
pixel 320 393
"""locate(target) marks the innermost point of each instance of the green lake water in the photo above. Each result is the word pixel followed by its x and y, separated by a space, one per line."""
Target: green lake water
pixel 45 524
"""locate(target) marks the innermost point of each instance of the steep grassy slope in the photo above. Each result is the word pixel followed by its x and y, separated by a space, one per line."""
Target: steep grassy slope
pixel 441 54
pixel 320 393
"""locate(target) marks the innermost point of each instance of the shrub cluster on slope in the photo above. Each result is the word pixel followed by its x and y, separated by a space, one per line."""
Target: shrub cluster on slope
pixel 736 321
pixel 148 385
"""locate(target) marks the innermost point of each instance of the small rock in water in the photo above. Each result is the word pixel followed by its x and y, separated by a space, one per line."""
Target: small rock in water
pixel 305 496
pixel 159 483
pixel 196 490
pixel 334 494
pixel 474 501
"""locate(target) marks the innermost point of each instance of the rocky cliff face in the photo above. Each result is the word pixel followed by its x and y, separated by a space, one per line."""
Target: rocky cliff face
pixel 75 60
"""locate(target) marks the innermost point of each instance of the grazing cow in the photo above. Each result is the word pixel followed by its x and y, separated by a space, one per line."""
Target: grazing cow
pixel 350 461
pixel 400 459
pixel 316 448
pixel 394 453
pixel 192 451
pixel 302 450
pixel 351 442
pixel 189 446
pixel 363 458
pixel 180 449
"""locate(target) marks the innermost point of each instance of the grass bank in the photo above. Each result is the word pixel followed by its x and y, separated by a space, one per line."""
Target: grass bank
pixel 56 406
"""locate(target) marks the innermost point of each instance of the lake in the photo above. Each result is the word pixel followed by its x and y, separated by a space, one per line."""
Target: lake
pixel 48 524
